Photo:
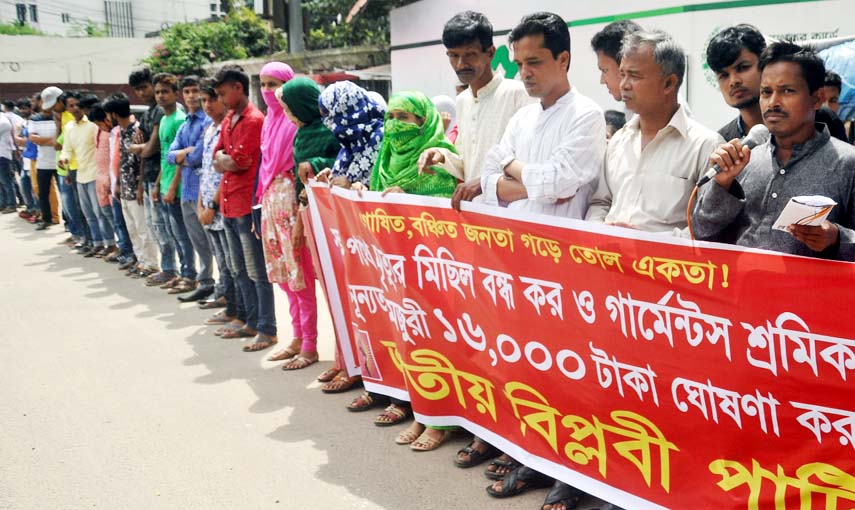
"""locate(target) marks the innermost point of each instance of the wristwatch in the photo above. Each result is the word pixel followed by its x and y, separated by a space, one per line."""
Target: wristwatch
pixel 212 205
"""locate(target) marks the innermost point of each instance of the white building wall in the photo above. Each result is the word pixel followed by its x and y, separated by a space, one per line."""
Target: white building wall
pixel 58 17
pixel 37 59
pixel 426 67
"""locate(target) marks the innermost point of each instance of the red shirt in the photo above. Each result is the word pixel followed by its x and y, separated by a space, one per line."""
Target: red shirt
pixel 243 143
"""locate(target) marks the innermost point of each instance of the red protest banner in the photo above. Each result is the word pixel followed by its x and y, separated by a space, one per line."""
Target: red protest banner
pixel 644 369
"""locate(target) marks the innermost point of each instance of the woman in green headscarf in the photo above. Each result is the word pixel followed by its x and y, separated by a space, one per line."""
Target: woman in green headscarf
pixel 412 125
pixel 314 148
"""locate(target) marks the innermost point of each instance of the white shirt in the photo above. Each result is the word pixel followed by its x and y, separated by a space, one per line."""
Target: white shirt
pixel 44 126
pixel 6 141
pixel 650 188
pixel 562 148
pixel 481 122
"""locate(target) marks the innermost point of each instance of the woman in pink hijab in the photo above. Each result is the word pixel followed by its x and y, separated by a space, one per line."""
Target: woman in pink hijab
pixel 289 263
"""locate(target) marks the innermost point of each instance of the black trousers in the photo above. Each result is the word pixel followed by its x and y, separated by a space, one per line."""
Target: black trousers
pixel 44 177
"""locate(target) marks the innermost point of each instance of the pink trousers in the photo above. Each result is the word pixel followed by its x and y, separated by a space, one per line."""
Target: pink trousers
pixel 303 306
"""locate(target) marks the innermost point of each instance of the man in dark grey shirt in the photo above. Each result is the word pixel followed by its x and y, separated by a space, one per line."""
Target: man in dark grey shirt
pixel 754 186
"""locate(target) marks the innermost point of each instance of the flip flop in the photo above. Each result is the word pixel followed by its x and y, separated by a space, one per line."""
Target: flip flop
pixel 299 363
pixel 241 332
pixel 261 343
pixel 286 353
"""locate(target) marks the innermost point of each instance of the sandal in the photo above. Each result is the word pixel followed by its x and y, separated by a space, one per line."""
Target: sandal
pixel 328 375
pixel 261 342
pixel 425 443
pixel 529 478
pixel 502 462
pixel 341 383
pixel 562 494
pixel 363 402
pixel 219 318
pixel 475 457
pixel 286 353
pixel 172 283
pixel 300 362
pixel 410 434
pixel 220 302
pixel 185 285
pixel 241 332
pixel 226 328
pixel 392 415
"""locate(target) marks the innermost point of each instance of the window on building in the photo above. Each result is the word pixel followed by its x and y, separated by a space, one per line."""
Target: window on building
pixel 21 11
pixel 66 18
pixel 34 13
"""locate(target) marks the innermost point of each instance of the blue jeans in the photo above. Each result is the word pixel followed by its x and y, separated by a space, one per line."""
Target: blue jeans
pixel 100 225
pixel 200 243
pixel 73 218
pixel 126 248
pixel 7 184
pixel 226 287
pixel 250 274
pixel 156 221
pixel 178 233
pixel 26 186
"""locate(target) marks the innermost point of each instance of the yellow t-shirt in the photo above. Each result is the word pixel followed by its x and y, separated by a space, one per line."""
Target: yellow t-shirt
pixel 66 118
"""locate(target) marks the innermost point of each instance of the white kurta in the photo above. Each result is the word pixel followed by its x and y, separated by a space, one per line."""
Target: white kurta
pixel 562 148
pixel 481 121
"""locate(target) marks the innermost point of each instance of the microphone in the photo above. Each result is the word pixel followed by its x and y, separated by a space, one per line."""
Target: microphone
pixel 758 135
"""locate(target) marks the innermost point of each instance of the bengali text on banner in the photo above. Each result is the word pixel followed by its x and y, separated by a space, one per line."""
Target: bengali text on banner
pixel 647 370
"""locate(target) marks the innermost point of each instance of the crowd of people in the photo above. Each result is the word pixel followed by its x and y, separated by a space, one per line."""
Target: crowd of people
pixel 170 192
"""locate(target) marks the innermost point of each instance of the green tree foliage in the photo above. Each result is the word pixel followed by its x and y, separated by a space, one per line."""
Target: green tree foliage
pixel 14 28
pixel 187 47
pixel 329 29
pixel 88 28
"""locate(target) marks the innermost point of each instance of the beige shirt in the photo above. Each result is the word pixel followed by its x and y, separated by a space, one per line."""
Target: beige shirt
pixel 650 188
pixel 481 121
pixel 79 143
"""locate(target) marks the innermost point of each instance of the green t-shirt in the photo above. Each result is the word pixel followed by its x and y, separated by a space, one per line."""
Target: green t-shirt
pixel 62 172
pixel 169 125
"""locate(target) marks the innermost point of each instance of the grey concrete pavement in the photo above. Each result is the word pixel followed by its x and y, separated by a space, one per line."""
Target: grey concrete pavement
pixel 112 395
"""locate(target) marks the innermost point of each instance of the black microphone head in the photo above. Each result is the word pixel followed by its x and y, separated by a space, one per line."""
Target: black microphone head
pixel 758 135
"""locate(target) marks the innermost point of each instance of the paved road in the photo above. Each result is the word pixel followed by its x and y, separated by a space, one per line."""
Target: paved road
pixel 113 396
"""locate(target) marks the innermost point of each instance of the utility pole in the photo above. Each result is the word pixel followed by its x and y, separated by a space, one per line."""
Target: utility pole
pixel 295 26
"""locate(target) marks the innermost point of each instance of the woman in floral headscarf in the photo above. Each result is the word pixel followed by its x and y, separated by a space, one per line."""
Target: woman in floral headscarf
pixel 356 120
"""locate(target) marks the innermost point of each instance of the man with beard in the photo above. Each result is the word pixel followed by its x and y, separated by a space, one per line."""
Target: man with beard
pixel 801 158
pixel 483 108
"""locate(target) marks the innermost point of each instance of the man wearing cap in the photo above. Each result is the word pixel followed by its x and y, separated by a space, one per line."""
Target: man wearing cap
pixel 42 131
